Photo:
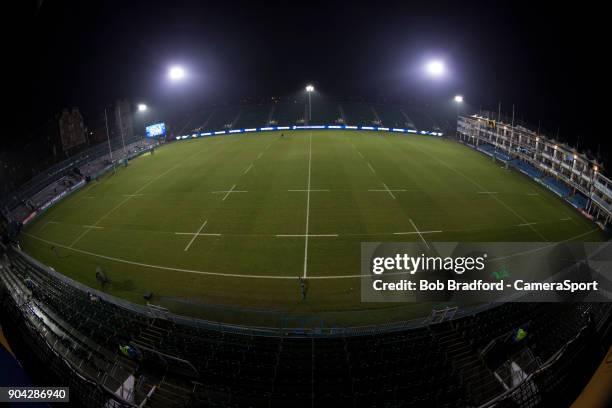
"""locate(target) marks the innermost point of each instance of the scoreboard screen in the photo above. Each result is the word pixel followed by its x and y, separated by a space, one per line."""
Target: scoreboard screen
pixel 156 130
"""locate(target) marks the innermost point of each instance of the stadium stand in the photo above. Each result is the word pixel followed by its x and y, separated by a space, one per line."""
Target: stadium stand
pixel 208 364
pixel 199 121
pixel 255 116
pixel 223 118
pixel 578 200
pixel 526 168
pixel 83 160
pixel 392 116
pixel 359 114
pixel 288 113
pixel 325 113
pixel 556 186
pixel 490 150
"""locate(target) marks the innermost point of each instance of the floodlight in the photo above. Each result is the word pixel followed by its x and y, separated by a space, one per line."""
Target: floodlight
pixel 435 68
pixel 309 88
pixel 142 107
pixel 176 73
pixel 458 98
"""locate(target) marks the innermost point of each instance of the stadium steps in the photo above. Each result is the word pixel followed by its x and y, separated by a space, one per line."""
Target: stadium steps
pixel 169 393
pixel 409 121
pixel 153 335
pixel 480 383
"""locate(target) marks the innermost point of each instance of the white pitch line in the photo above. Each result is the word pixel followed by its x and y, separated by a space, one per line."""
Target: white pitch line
pixel 133 195
pixel 371 168
pixel 360 155
pixel 200 234
pixel 303 235
pixel 384 191
pixel 268 146
pixel 526 224
pixel 248 168
pixel 307 204
pixel 259 156
pixel 481 188
pixel 123 202
pixel 303 191
pixel 229 192
pixel 237 275
pixel 388 191
pixel 565 219
pixel 92 226
pixel 487 192
pixel 81 235
pixel 419 233
pixel 195 236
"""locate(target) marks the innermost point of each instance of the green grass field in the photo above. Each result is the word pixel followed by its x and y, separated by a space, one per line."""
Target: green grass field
pixel 254 197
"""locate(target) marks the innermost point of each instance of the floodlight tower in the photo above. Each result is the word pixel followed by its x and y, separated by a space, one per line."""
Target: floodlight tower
pixel 142 109
pixel 309 90
pixel 435 68
pixel 458 102
pixel 176 73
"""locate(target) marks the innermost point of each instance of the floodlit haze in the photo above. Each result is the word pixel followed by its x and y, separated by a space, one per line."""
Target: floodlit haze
pixel 89 54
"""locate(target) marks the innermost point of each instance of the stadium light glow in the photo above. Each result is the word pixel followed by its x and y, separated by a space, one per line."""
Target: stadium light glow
pixel 309 88
pixel 435 68
pixel 458 98
pixel 176 73
pixel 142 107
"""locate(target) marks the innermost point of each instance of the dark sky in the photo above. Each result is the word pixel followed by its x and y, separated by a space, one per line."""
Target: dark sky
pixel 547 59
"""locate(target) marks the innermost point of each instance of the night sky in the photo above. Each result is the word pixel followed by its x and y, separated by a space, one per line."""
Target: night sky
pixel 545 59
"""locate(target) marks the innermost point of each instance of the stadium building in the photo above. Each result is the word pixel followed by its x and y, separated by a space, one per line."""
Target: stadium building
pixel 571 175
pixel 76 317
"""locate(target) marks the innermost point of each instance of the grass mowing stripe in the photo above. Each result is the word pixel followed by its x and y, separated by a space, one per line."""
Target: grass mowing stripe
pixel 308 203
